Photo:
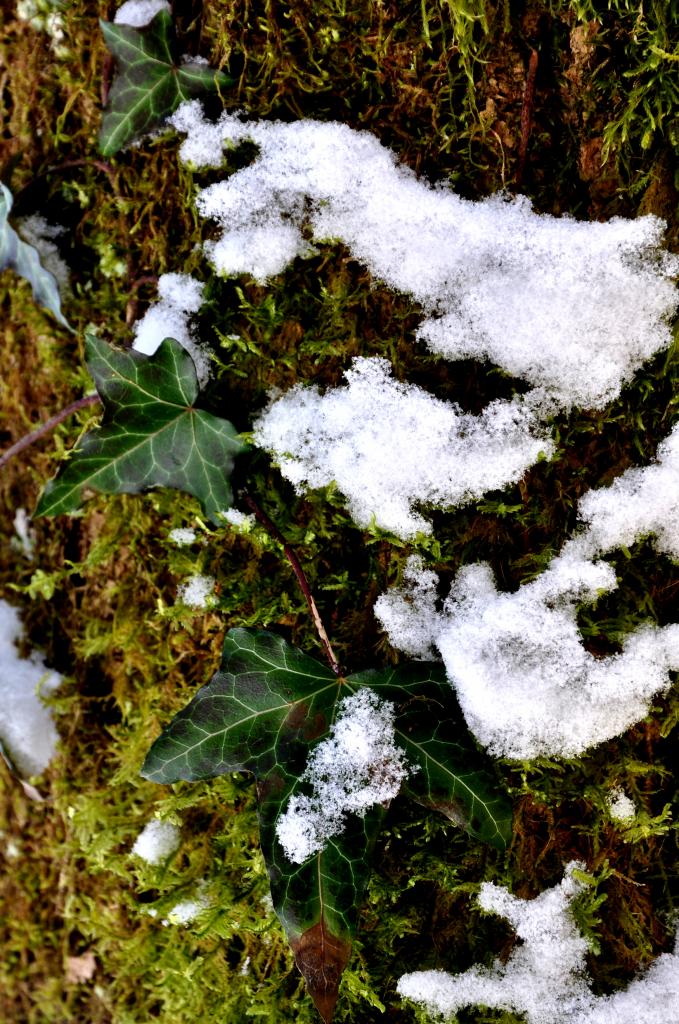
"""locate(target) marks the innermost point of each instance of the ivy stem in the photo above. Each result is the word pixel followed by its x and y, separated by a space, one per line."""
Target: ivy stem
pixel 50 424
pixel 273 530
pixel 527 114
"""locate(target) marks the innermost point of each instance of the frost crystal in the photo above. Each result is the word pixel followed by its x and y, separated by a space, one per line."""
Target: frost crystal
pixel 573 308
pixel 196 591
pixel 138 13
pixel 180 297
pixel 390 446
pixel 27 731
pixel 545 978
pixel 357 766
pixel 157 841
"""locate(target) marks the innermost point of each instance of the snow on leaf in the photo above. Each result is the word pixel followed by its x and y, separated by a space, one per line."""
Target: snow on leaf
pixel 152 434
pixel 266 711
pixel 180 296
pixel 355 767
pixel 18 255
pixel 139 13
pixel 150 84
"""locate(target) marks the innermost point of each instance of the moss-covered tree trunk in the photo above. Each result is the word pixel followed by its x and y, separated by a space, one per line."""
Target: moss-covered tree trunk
pixel 572 103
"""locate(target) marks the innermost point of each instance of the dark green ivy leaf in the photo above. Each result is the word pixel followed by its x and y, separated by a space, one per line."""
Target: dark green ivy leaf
pixel 263 712
pixel 152 436
pixel 24 258
pixel 150 84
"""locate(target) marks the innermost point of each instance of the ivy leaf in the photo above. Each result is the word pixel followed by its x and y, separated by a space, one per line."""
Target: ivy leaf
pixel 150 84
pixel 152 436
pixel 454 778
pixel 25 259
pixel 263 712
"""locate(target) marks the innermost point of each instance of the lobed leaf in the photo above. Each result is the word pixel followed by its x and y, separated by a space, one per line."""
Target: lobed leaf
pixel 263 712
pixel 149 85
pixel 152 435
pixel 18 255
pixel 454 776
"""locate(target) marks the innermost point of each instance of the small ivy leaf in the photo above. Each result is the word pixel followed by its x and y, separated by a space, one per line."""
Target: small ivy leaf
pixel 152 436
pixel 264 711
pixel 149 85
pixel 25 259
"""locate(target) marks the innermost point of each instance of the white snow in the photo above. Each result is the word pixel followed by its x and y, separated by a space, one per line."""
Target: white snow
pixel 186 911
pixel 37 232
pixel 574 308
pixel 242 522
pixel 525 681
pixel 196 591
pixel 138 13
pixel 157 841
pixel 182 536
pixel 620 806
pixel 42 16
pixel 25 535
pixel 357 766
pixel 27 730
pixel 180 296
pixel 641 502
pixel 545 977
pixel 391 446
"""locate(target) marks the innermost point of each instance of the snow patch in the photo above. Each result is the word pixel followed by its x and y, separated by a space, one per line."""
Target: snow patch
pixel 37 232
pixel 574 308
pixel 138 13
pixel 25 535
pixel 43 17
pixel 390 446
pixel 357 766
pixel 157 841
pixel 545 977
pixel 182 536
pixel 197 591
pixel 27 730
pixel 242 522
pixel 620 806
pixel 186 911
pixel 641 502
pixel 526 683
pixel 180 297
